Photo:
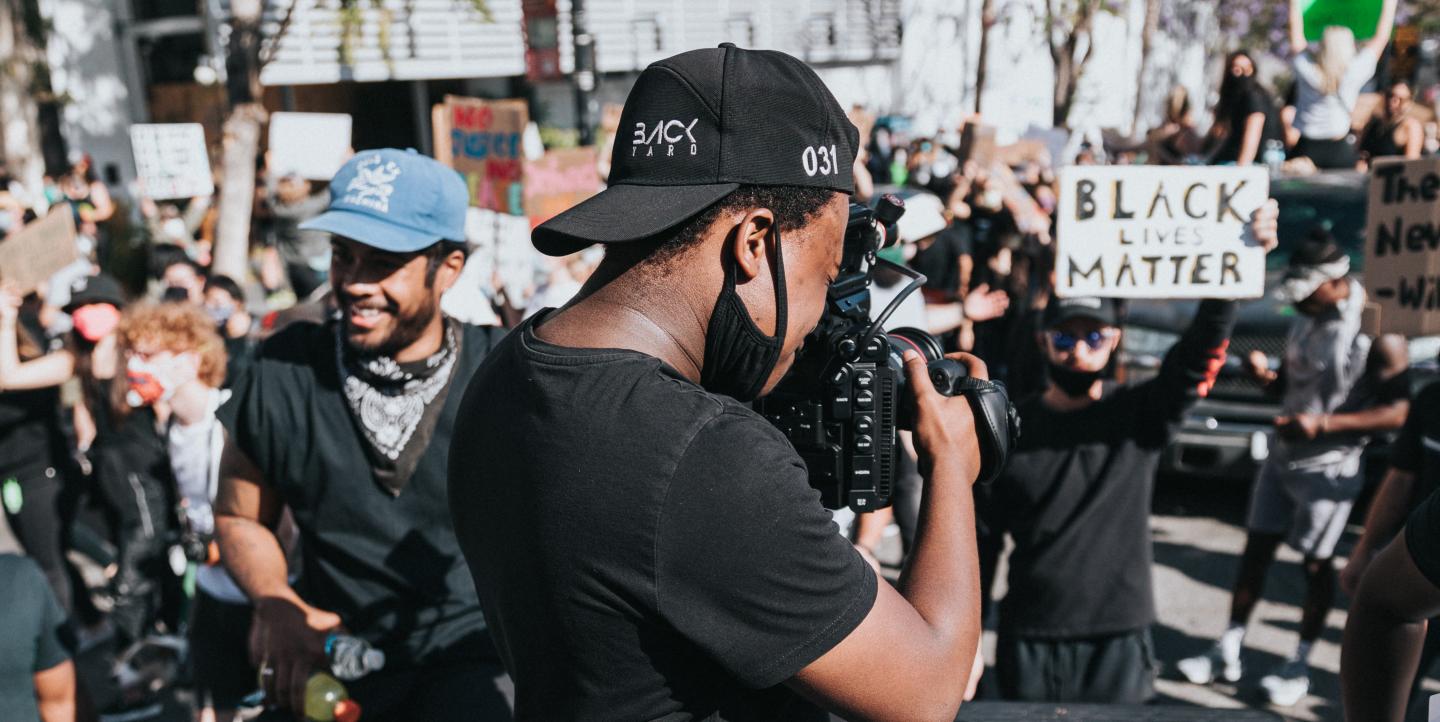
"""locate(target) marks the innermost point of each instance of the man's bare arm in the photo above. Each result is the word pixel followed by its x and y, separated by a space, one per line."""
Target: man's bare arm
pixel 1383 635
pixel 55 692
pixel 246 514
pixel 1392 504
pixel 1389 358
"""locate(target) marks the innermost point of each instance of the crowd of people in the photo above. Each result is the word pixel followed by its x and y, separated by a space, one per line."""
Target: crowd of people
pixel 211 477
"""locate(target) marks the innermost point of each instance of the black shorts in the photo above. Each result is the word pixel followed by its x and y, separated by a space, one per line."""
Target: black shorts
pixel 220 651
pixel 1327 154
pixel 1113 669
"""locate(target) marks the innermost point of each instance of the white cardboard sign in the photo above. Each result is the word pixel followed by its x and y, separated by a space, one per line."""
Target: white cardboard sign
pixel 171 160
pixel 1159 232
pixel 311 145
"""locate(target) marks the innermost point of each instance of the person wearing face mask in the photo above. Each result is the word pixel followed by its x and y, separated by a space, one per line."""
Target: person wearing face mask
pixel 1245 116
pixel 1075 621
pixel 175 357
pixel 225 303
pixel 1337 386
pixel 1394 132
pixel 348 424
pixel 646 545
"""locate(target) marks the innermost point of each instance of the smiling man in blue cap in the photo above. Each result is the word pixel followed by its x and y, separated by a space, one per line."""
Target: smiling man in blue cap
pixel 348 424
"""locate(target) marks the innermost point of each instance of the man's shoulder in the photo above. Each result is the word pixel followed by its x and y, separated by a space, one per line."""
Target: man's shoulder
pixel 299 343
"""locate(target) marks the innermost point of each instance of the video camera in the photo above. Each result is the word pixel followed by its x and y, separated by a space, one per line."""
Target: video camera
pixel 847 395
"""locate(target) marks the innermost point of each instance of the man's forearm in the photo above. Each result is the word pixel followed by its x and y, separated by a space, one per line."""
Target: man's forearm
pixel 252 555
pixel 1387 514
pixel 1389 417
pixel 941 579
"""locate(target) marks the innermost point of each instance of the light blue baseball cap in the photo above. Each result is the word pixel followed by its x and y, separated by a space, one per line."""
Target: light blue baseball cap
pixel 395 200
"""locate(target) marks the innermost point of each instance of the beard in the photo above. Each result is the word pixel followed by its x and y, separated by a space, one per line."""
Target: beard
pixel 407 329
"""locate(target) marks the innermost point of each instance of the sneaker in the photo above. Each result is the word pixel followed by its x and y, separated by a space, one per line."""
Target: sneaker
pixel 1209 667
pixel 1288 684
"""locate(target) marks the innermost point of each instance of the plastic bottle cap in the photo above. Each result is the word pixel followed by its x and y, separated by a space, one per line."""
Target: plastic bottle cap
pixel 347 710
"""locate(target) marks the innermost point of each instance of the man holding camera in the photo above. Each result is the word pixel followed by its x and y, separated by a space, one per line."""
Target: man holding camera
pixel 1075 497
pixel 348 424
pixel 645 545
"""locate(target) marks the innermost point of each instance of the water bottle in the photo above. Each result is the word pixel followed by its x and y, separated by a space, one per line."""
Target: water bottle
pixel 326 700
pixel 351 657
pixel 1274 157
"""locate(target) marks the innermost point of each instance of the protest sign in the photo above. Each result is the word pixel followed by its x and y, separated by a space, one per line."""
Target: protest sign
pixel 1361 16
pixel 34 253
pixel 482 139
pixel 171 160
pixel 1402 245
pixel 1159 232
pixel 558 181
pixel 310 145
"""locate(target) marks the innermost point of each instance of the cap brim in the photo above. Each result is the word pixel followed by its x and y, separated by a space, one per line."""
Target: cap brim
pixel 372 231
pixel 623 213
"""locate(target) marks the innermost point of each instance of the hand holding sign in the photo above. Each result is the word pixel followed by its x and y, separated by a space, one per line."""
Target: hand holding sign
pixel 1163 232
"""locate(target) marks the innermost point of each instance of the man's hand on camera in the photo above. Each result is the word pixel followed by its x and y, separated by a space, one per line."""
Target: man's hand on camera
pixel 287 643
pixel 944 425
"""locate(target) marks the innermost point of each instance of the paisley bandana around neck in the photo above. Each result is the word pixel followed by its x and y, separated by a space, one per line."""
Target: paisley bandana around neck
pixel 388 398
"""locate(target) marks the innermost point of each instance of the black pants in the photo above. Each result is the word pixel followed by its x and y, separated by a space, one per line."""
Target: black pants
pixel 220 651
pixel 39 525
pixel 1116 669
pixel 1327 154
pixel 143 527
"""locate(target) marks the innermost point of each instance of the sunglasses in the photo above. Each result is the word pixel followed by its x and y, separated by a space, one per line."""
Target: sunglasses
pixel 1063 341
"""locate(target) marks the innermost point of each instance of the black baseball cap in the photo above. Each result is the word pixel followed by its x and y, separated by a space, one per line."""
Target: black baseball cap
pixel 1060 310
pixel 698 125
pixel 99 288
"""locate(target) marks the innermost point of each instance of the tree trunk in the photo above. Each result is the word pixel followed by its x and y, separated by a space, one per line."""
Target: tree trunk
pixel 1147 42
pixel 19 113
pixel 987 20
pixel 241 143
pixel 231 254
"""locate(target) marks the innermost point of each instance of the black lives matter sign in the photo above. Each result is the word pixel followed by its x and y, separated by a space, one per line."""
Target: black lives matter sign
pixel 1159 232
pixel 1402 245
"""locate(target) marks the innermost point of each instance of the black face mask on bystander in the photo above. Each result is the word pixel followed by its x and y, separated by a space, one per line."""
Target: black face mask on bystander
pixel 739 357
pixel 1072 382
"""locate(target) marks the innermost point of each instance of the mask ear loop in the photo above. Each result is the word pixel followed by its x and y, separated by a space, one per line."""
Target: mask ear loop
pixel 781 302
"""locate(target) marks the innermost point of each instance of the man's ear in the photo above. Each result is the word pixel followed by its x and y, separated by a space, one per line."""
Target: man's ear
pixel 449 270
pixel 748 242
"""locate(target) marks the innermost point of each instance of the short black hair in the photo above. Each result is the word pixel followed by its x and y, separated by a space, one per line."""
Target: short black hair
pixel 1318 248
pixel 793 207
pixel 226 284
pixel 435 254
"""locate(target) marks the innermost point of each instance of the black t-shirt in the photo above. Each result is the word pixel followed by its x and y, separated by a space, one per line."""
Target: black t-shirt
pixel 1417 447
pixel 1254 101
pixel 940 261
pixel 31 441
pixel 33 637
pixel 644 549
pixel 388 564
pixel 1075 496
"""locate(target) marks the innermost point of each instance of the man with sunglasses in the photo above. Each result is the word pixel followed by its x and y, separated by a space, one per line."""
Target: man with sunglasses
pixel 1075 498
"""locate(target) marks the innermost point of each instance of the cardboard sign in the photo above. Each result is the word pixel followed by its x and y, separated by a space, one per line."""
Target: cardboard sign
pixel 34 253
pixel 483 140
pixel 310 145
pixel 558 181
pixel 1159 232
pixel 977 143
pixel 1361 16
pixel 1402 245
pixel 171 160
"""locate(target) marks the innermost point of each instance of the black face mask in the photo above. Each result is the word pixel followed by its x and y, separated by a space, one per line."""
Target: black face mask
pixel 1072 382
pixel 739 357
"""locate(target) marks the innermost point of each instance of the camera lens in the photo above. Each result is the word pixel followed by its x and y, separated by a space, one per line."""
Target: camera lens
pixel 913 339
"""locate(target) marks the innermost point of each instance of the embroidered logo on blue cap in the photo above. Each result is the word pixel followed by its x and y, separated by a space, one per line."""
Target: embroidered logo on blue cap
pixel 395 200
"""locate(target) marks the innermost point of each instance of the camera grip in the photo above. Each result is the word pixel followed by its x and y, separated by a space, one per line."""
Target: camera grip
pixel 997 425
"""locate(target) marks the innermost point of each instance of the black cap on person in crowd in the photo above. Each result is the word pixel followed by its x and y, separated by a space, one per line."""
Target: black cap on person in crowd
pixel 99 288
pixel 698 125
pixel 1060 310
